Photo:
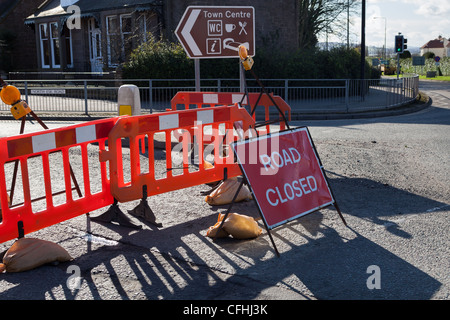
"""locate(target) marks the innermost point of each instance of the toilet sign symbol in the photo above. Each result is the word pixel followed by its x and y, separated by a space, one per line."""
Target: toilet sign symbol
pixel 214 28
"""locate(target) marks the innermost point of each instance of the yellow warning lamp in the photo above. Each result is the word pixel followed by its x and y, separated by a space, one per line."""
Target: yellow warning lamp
pixel 246 60
pixel 20 109
pixel 11 95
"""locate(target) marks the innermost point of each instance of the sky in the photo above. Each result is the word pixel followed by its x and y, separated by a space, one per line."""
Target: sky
pixel 418 20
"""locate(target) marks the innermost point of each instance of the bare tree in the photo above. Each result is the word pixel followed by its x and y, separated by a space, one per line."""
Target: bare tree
pixel 320 16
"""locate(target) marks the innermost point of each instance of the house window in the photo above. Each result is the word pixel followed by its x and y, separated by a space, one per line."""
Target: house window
pixel 142 25
pixel 95 43
pixel 45 45
pixel 67 36
pixel 147 26
pixel 126 34
pixel 54 44
pixel 144 22
pixel 119 34
pixel 50 45
pixel 113 40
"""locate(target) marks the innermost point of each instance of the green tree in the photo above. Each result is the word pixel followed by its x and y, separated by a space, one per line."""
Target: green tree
pixel 159 59
pixel 320 16
pixel 429 55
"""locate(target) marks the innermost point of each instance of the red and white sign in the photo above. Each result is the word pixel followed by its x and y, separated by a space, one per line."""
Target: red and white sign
pixel 285 175
pixel 217 32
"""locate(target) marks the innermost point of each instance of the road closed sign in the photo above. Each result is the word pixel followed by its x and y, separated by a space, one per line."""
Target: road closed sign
pixel 284 173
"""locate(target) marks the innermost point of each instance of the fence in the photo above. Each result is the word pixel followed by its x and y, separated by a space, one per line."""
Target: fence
pixel 44 160
pixel 59 180
pixel 303 95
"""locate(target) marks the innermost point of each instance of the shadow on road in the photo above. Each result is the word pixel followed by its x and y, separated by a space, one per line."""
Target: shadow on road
pixel 320 258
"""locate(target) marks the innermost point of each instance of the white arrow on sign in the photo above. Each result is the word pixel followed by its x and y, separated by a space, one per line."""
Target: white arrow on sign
pixel 186 32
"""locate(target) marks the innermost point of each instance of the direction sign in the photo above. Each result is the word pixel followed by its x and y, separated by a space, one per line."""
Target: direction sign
pixel 216 32
pixel 418 61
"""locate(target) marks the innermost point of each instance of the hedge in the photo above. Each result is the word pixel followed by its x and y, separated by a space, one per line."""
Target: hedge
pixel 166 60
pixel 430 65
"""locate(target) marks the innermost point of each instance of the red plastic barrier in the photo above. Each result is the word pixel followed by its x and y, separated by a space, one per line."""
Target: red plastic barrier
pixel 24 148
pixel 210 99
pixel 266 102
pixel 186 99
pixel 141 128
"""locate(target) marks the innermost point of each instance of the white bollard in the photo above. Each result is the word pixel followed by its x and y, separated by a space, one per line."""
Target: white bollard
pixel 129 101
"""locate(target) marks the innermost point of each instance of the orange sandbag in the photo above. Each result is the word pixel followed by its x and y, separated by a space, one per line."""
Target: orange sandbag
pixel 212 231
pixel 237 225
pixel 207 165
pixel 241 226
pixel 225 192
pixel 29 253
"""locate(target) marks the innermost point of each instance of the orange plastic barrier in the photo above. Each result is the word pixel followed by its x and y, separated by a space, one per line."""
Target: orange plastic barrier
pixel 143 128
pixel 199 99
pixel 266 102
pixel 21 218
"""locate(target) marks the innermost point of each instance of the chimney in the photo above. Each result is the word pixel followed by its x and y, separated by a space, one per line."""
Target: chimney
pixel 66 3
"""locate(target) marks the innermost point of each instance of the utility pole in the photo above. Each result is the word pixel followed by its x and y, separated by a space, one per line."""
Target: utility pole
pixel 348 24
pixel 363 38
pixel 363 47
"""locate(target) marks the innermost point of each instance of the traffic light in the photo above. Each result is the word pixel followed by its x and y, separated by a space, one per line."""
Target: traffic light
pixel 399 44
pixel 405 41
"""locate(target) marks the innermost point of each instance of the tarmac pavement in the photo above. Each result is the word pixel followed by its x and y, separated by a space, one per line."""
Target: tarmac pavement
pixel 390 178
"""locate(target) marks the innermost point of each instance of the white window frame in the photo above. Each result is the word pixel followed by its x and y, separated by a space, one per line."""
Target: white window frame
pixel 108 39
pixel 142 25
pixel 121 36
pixel 71 48
pixel 41 41
pixel 52 46
pixel 124 35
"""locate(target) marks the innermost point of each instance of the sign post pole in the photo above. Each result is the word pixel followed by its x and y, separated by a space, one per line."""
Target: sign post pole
pixel 197 74
pixel 241 78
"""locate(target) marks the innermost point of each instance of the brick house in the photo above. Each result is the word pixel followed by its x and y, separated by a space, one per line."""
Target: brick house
pixel 17 44
pixel 108 30
pixel 440 47
pixel 91 36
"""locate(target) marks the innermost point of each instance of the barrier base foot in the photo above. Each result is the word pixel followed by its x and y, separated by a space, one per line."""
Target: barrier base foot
pixel 114 214
pixel 143 211
pixel 213 186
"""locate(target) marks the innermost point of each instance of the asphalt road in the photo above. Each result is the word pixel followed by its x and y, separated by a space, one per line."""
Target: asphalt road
pixel 390 177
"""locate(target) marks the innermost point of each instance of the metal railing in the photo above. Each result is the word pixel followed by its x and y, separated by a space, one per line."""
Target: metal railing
pixel 303 95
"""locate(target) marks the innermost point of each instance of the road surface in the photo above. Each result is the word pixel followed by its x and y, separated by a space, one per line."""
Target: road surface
pixel 390 178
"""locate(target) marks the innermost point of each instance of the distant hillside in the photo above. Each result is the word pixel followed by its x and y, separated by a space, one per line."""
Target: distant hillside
pixel 370 50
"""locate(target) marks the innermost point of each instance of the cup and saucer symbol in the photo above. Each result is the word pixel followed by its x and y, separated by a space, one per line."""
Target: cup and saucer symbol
pixel 229 27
